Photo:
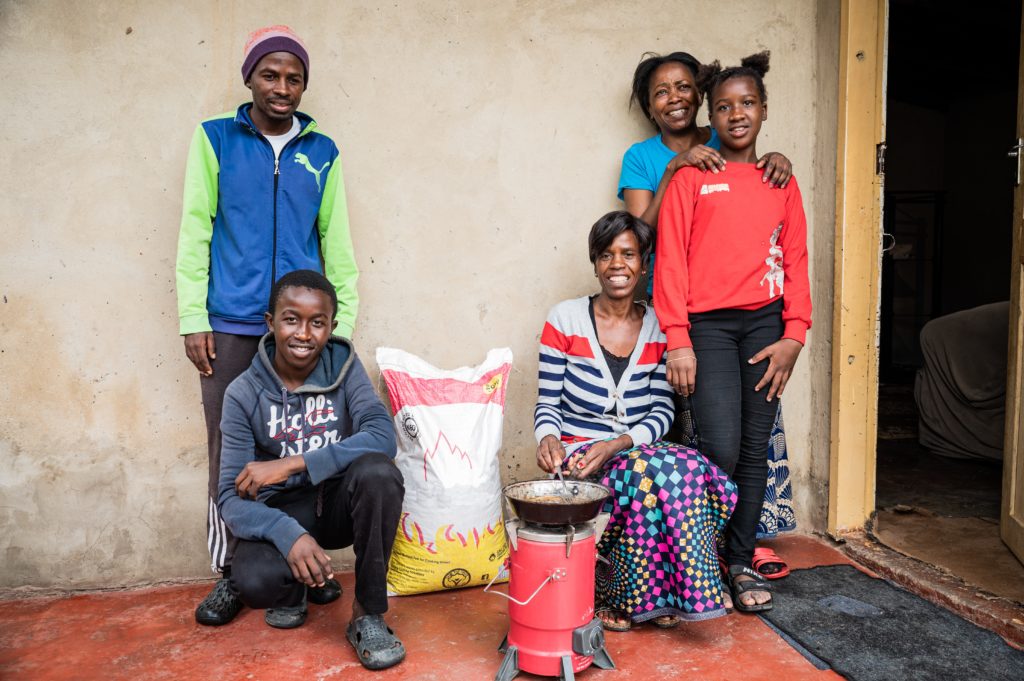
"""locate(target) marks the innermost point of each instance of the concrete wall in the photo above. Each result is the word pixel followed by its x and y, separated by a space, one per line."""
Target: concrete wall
pixel 480 142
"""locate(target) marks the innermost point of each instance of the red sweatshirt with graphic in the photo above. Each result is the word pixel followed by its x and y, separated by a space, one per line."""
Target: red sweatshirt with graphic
pixel 728 240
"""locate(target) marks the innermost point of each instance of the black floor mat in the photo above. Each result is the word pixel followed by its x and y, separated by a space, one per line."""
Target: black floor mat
pixel 869 630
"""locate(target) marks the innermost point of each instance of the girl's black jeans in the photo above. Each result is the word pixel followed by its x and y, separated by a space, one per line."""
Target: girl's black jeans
pixel 735 422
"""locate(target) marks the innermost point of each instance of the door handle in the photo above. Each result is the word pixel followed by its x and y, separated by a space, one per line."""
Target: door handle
pixel 886 247
pixel 1015 154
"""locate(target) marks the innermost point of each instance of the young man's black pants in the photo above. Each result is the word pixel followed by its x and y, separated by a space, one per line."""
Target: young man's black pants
pixel 735 423
pixel 359 508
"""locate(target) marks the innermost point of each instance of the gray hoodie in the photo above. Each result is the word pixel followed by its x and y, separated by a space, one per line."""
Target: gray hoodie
pixel 332 420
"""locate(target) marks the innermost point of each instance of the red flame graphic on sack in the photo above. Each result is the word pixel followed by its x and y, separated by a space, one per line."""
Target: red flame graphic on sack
pixel 414 534
pixel 452 449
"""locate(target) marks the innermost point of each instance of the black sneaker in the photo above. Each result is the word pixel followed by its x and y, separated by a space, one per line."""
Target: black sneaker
pixel 328 593
pixel 288 617
pixel 219 607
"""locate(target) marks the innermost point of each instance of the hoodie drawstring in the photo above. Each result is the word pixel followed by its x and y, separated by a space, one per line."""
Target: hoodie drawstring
pixel 284 405
pixel 302 430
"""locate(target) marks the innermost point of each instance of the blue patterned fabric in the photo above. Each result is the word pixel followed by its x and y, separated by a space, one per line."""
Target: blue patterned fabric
pixel 777 514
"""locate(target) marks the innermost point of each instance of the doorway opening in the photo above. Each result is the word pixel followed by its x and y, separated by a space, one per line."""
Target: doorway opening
pixel 951 112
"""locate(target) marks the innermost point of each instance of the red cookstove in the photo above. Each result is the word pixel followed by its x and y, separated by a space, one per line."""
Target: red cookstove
pixel 552 629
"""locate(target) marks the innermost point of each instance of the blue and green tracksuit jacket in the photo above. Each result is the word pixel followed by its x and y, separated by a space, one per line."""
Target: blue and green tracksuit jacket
pixel 248 219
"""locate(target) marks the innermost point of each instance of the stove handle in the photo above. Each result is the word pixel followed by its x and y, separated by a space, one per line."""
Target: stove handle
pixel 556 575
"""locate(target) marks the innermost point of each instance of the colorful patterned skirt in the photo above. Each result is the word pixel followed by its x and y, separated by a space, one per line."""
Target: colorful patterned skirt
pixel 657 556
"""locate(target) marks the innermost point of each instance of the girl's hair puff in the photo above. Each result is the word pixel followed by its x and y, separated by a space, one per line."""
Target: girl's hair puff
pixel 710 76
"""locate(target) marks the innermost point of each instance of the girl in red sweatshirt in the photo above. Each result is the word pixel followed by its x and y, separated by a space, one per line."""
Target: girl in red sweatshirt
pixel 731 292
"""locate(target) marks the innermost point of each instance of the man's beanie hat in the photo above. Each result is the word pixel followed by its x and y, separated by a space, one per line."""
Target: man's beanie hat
pixel 269 39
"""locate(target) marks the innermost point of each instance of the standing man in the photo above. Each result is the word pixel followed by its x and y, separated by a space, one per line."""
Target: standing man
pixel 263 196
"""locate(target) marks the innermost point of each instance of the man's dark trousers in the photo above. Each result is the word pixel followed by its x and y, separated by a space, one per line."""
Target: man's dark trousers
pixel 359 508
pixel 234 355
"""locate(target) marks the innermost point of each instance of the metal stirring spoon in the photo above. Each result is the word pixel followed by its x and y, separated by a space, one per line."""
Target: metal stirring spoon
pixel 565 488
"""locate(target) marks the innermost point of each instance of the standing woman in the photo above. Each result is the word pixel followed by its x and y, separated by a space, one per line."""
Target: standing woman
pixel 664 87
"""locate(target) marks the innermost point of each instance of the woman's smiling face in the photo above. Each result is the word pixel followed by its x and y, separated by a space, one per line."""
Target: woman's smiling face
pixel 673 97
pixel 620 266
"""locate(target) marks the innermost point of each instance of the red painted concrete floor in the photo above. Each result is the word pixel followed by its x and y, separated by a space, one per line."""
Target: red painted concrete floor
pixel 451 636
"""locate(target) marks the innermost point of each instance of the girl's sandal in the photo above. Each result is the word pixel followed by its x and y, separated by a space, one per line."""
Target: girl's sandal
pixel 614 619
pixel 768 564
pixel 742 586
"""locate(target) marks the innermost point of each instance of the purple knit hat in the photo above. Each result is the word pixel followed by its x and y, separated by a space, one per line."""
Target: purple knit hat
pixel 269 39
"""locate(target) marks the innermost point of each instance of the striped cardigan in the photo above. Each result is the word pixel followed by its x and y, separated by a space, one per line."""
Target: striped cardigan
pixel 577 400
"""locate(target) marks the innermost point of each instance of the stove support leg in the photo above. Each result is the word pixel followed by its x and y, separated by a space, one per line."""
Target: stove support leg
pixel 509 668
pixel 602 660
pixel 567 674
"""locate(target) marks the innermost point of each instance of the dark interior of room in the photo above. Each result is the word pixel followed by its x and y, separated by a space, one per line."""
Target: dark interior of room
pixel 951 103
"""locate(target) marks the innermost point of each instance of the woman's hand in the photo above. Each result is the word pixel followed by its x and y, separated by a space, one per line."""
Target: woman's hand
pixel 681 370
pixel 781 356
pixel 550 453
pixel 699 156
pixel 777 169
pixel 587 463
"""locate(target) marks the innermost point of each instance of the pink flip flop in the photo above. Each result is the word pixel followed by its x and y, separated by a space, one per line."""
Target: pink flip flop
pixel 768 564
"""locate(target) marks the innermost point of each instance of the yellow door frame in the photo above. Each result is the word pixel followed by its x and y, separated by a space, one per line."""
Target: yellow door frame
pixel 857 285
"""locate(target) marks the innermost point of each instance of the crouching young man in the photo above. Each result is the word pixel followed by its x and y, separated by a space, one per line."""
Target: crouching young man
pixel 306 465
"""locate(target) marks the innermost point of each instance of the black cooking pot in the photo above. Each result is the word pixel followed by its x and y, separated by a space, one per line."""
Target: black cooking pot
pixel 546 502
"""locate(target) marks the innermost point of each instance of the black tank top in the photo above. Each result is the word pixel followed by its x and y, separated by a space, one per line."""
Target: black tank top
pixel 617 365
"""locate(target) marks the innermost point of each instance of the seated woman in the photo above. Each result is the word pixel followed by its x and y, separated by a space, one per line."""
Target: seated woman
pixel 603 406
